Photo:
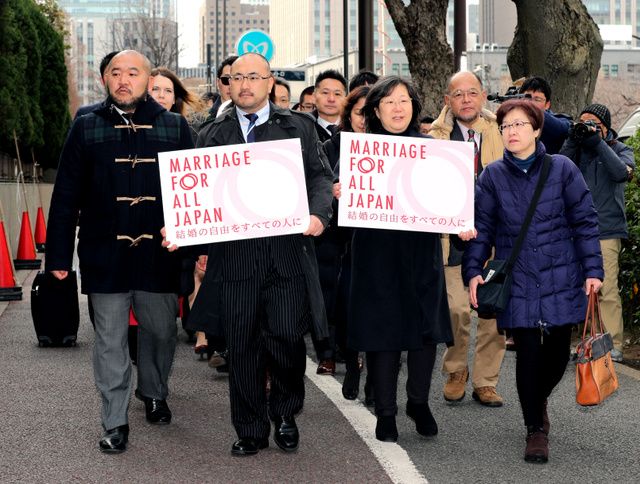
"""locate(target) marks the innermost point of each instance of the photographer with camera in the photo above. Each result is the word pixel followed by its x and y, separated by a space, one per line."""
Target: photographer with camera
pixel 556 126
pixel 606 165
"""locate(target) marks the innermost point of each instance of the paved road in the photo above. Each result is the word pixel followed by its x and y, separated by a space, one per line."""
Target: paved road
pixel 50 428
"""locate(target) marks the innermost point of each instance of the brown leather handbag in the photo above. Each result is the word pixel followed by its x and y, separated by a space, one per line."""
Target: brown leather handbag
pixel 596 377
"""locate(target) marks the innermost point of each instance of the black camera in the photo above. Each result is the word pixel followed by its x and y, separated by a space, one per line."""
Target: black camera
pixel 582 129
pixel 512 93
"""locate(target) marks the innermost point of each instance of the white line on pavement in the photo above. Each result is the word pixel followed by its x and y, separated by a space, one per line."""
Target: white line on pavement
pixel 393 458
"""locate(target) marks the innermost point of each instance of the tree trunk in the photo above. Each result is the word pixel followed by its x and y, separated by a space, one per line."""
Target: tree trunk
pixel 559 41
pixel 422 26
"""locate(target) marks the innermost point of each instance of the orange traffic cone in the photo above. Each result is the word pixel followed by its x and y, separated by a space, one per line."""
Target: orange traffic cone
pixel 9 291
pixel 41 231
pixel 26 258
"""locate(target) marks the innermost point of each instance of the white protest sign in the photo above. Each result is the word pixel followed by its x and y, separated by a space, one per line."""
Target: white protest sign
pixel 403 183
pixel 234 192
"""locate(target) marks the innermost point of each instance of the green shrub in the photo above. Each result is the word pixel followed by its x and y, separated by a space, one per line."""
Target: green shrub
pixel 629 279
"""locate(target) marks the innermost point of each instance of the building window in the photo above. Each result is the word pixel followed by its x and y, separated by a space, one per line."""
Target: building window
pixel 605 70
pixel 614 70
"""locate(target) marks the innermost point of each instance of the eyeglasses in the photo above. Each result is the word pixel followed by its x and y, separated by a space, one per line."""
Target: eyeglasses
pixel 253 77
pixel 224 80
pixel 517 125
pixel 307 106
pixel 399 102
pixel 459 94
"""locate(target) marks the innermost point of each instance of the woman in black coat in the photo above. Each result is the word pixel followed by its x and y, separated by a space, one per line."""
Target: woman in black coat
pixel 398 295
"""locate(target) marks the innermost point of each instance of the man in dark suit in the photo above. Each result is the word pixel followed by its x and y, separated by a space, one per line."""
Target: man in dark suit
pixel 264 293
pixel 330 91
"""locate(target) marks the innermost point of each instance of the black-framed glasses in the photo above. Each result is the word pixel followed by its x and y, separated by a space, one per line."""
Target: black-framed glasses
pixel 252 77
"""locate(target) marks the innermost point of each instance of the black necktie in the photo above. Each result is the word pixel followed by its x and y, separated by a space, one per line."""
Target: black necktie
pixel 476 153
pixel 332 128
pixel 251 135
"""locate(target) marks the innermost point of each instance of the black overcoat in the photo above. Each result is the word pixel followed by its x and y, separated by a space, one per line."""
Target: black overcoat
pixel 206 313
pixel 108 176
pixel 398 293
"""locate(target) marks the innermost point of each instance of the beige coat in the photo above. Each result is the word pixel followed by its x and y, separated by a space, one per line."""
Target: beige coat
pixel 491 148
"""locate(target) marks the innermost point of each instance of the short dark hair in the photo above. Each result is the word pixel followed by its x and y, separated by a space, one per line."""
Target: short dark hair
pixel 350 101
pixel 531 111
pixel 363 78
pixel 307 91
pixel 331 74
pixel 382 89
pixel 227 62
pixel 426 119
pixel 281 82
pixel 537 84
pixel 105 61
pixel 278 82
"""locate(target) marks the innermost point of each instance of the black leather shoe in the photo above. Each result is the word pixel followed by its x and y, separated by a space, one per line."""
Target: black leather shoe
pixel 115 440
pixel 286 434
pixel 421 414
pixel 157 411
pixel 248 446
pixel 351 384
pixel 386 430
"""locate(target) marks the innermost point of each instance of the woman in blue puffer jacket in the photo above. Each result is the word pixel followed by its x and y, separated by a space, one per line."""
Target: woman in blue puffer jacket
pixel 559 263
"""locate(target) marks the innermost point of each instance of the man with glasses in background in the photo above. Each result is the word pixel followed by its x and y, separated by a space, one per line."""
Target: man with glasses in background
pixel 556 126
pixel 306 104
pixel 464 118
pixel 264 293
pixel 606 165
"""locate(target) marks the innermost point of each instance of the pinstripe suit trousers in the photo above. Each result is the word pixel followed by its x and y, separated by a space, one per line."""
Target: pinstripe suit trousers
pixel 266 318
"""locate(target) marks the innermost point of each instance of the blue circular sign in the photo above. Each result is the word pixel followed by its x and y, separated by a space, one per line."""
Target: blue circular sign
pixel 257 42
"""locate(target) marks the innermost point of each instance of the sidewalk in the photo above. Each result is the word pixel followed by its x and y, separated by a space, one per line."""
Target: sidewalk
pixel 51 426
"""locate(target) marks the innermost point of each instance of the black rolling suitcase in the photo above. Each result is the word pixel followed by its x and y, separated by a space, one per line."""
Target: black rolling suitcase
pixel 54 308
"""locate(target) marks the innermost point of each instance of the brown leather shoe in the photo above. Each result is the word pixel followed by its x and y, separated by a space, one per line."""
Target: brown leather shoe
pixel 326 367
pixel 487 396
pixel 454 388
pixel 537 449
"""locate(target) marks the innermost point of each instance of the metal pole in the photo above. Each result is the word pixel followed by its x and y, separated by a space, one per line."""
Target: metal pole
pixel 217 34
pixel 365 35
pixel 459 31
pixel 345 36
pixel 209 80
pixel 224 29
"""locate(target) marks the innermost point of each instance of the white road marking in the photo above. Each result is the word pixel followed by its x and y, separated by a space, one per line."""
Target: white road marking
pixel 393 458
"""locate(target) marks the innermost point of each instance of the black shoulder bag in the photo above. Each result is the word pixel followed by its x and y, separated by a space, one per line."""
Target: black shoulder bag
pixel 493 296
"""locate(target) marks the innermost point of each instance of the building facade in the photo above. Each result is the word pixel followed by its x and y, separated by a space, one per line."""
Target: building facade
pixel 97 27
pixel 222 23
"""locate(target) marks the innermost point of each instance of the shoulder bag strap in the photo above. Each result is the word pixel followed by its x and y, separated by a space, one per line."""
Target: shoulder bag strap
pixel 544 174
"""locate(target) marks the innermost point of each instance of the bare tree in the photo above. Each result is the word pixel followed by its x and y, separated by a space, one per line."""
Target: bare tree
pixel 422 26
pixel 155 37
pixel 557 40
pixel 616 95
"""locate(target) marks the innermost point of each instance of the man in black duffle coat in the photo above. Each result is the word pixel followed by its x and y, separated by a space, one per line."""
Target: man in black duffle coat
pixel 264 293
pixel 108 175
